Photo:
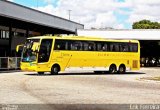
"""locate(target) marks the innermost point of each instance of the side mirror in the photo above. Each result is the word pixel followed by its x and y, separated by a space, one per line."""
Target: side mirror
pixel 19 47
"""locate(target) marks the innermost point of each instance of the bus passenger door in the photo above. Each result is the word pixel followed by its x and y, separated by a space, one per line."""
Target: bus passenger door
pixel 44 55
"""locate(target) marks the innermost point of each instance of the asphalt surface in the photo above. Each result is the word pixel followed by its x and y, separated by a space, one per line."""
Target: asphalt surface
pixel 80 88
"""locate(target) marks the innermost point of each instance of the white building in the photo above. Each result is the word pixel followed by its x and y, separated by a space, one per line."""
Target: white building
pixel 137 34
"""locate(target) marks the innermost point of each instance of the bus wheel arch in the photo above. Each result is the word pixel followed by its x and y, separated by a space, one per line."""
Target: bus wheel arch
pixel 122 68
pixel 55 69
pixel 112 68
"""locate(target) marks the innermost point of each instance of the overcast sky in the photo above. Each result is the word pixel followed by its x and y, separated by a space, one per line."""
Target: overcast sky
pixel 119 14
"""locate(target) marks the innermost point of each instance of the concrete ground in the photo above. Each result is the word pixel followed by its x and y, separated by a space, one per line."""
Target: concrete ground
pixel 80 88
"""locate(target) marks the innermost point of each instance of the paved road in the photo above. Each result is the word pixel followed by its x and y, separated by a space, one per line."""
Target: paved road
pixel 80 88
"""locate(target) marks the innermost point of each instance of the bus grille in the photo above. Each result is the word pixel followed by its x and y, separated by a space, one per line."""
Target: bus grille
pixel 135 64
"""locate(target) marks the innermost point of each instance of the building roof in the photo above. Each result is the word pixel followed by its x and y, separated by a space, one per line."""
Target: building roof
pixel 23 13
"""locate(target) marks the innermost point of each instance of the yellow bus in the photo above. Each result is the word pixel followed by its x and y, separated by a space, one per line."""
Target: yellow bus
pixel 67 53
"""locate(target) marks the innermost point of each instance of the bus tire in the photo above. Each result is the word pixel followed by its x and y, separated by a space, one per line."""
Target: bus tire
pixel 122 69
pixel 40 73
pixel 112 69
pixel 55 69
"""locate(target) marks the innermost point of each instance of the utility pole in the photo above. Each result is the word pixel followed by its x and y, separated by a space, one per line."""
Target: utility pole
pixel 69 13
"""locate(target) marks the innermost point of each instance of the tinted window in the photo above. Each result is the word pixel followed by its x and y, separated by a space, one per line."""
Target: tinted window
pixel 99 46
pixel 125 47
pixel 91 46
pixel 85 46
pixel 78 45
pixel 60 45
pixel 113 47
pixel 102 46
pixel 45 49
pixel 133 47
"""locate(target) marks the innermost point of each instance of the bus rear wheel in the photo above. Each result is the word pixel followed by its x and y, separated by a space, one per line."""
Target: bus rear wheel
pixel 122 69
pixel 55 69
pixel 112 69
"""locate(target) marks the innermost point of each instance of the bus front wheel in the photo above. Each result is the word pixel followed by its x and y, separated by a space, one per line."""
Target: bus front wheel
pixel 55 69
pixel 112 69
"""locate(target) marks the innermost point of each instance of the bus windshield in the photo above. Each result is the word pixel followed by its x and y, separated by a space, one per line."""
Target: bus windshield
pixel 30 50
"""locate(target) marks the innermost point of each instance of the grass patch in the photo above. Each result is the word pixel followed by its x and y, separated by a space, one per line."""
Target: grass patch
pixel 156 78
pixel 151 78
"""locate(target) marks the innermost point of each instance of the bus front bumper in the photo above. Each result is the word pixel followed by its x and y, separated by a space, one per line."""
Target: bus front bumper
pixel 28 66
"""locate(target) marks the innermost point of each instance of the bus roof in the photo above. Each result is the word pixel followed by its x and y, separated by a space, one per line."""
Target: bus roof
pixel 82 38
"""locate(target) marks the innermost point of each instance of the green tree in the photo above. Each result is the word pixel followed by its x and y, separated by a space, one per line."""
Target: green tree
pixel 146 24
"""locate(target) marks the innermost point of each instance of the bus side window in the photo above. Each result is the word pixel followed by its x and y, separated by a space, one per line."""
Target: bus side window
pixel 72 46
pixel 60 45
pixel 130 47
pixel 57 47
pixel 120 47
pixel 125 47
pixel 78 45
pixel 91 46
pixel 108 45
pixel 66 45
pixel 117 47
pixel 104 47
pixel 112 47
pixel 85 46
pixel 134 47
pixel 69 45
pixel 99 47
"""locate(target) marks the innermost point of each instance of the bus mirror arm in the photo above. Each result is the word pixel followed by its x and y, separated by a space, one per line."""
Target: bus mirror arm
pixel 19 47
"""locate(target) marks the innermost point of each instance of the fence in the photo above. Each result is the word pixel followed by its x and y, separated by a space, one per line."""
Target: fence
pixel 10 62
